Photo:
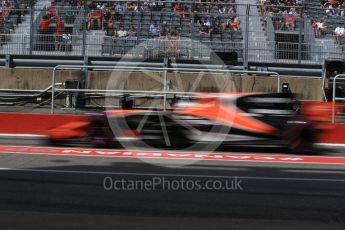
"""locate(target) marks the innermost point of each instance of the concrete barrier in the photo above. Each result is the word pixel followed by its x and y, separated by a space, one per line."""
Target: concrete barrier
pixel 33 79
pixel 37 124
pixel 304 88
pixel 38 79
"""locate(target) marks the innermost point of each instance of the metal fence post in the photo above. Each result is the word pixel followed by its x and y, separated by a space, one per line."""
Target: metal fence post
pixel 165 79
pixel 246 39
pixel 192 52
pixel 324 81
pixel 31 39
pixel 53 91
pixel 8 60
pixel 334 98
pixel 84 23
pixel 165 89
pixel 301 25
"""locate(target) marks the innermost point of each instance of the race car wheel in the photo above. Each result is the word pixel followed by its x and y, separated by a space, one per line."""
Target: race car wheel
pixel 300 138
pixel 99 133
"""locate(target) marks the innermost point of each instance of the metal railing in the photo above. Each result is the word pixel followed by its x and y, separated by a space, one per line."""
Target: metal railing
pixel 260 51
pixel 334 97
pixel 163 70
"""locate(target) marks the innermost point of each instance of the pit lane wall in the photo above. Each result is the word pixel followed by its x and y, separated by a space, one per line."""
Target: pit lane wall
pixel 39 124
pixel 39 79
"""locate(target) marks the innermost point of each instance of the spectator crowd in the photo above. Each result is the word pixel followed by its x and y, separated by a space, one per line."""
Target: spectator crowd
pixel 52 27
pixel 109 17
pixel 211 19
pixel 11 12
pixel 332 9
pixel 284 13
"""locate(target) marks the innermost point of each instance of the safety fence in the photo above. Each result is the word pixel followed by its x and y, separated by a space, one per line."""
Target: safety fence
pixel 163 93
pixel 260 51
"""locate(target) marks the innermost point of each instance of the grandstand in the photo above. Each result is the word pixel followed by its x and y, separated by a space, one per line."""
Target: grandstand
pixel 258 31
pixel 317 13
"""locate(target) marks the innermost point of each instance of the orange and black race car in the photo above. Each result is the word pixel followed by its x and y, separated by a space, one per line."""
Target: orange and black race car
pixel 203 123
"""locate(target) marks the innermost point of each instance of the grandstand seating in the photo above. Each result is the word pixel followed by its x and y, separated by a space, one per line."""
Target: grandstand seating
pixel 10 16
pixel 316 13
pixel 181 32
pixel 47 42
pixel 169 21
pixel 180 22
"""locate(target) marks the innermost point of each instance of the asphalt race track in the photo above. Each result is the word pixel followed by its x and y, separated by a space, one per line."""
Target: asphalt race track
pixel 79 190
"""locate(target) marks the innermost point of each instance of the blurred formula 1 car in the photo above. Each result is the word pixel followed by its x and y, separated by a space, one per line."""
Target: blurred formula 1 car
pixel 208 119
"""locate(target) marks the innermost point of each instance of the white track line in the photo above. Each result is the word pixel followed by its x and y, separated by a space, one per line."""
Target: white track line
pixel 173 175
pixel 4 135
pixel 330 144
pixel 19 135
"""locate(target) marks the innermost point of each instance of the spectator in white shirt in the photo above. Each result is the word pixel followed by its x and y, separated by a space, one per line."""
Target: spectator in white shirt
pixel 320 28
pixel 121 33
pixel 300 2
pixel 339 33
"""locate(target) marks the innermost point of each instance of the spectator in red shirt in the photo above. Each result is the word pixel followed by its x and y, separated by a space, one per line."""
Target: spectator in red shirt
pixel 234 25
pixel 178 9
pixel 333 2
pixel 6 10
pixel 43 27
pixel 59 31
pixel 52 11
pixel 45 38
pixel 95 17
pixel 290 21
pixel 173 47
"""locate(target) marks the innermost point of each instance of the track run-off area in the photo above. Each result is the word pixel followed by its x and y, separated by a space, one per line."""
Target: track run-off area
pixel 289 190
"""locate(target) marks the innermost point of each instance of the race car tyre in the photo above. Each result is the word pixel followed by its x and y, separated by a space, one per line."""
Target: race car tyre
pixel 300 137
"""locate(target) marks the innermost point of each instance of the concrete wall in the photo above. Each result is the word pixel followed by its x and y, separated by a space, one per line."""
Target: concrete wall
pixel 32 79
pixel 305 88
